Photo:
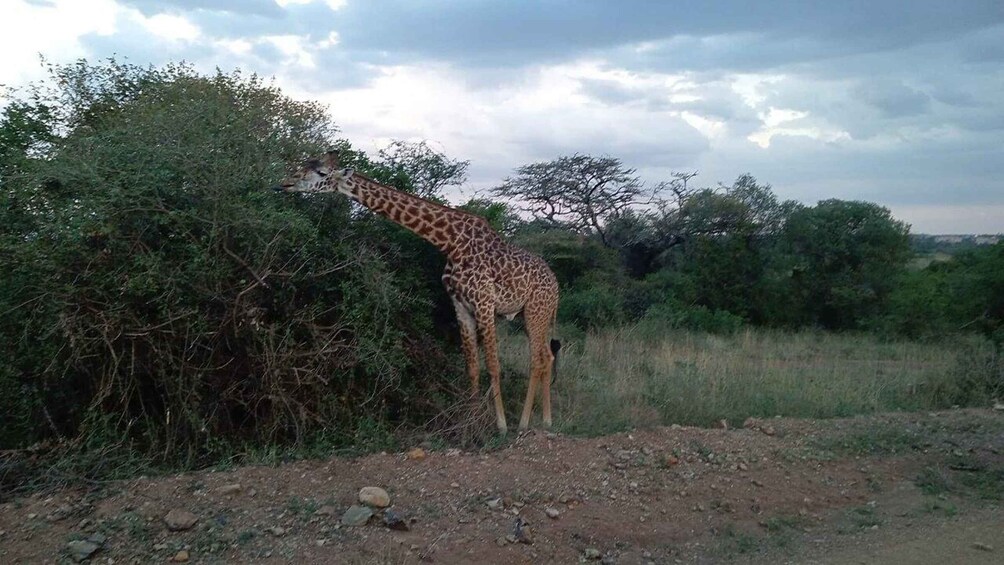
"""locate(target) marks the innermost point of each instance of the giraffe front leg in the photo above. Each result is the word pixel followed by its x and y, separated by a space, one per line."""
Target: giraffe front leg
pixel 486 327
pixel 469 340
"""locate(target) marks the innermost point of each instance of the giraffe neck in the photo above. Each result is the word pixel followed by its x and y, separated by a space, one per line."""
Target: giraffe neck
pixel 437 224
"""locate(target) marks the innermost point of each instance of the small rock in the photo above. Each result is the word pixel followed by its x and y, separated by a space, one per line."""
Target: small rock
pixel 357 515
pixel 769 430
pixel 83 524
pixel 321 542
pixel 416 454
pixel 159 546
pixel 983 547
pixel 81 549
pixel 998 405
pixel 510 538
pixel 500 541
pixel 455 485
pixel 98 538
pixel 395 521
pixel 723 424
pixel 277 531
pixel 495 504
pixel 742 466
pixel 521 531
pixel 230 490
pixel 374 496
pixel 181 557
pixel 180 520
pixel 552 513
pixel 608 560
pixel 591 553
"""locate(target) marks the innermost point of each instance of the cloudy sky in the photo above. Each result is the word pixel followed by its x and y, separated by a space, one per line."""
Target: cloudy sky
pixel 900 103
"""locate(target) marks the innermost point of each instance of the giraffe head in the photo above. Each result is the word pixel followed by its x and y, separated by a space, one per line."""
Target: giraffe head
pixel 318 175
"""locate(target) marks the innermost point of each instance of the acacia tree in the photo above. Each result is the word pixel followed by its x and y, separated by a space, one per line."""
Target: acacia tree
pixel 418 168
pixel 579 192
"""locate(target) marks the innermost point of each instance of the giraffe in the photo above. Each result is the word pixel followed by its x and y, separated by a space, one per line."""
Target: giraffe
pixel 484 276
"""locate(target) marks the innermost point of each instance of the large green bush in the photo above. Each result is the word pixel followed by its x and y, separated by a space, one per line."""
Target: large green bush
pixel 156 291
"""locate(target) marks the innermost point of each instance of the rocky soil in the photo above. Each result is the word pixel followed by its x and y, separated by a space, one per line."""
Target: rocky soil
pixel 883 489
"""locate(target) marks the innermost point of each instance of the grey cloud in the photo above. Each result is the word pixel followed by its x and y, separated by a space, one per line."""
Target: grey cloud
pixel 945 172
pixel 893 98
pixel 984 46
pixel 610 91
pixel 258 7
pixel 473 32
pixel 135 46
pixel 668 143
pixel 315 21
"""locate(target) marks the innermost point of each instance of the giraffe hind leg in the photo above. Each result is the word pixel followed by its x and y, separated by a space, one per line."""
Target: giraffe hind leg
pixel 541 361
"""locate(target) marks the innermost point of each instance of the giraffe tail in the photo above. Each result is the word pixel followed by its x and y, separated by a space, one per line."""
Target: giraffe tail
pixel 555 348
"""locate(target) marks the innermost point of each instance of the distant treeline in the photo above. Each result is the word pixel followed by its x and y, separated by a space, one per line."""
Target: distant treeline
pixel 951 243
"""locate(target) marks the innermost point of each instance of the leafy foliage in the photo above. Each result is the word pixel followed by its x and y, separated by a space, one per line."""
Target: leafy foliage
pixel 845 257
pixel 152 277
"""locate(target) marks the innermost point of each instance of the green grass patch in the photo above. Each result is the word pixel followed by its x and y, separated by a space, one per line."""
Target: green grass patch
pixel 861 518
pixel 938 506
pixel 876 439
pixel 733 541
pixel 616 379
pixel 966 476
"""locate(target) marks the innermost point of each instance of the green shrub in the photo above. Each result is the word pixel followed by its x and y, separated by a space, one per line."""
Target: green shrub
pixel 698 318
pixel 592 307
pixel 158 293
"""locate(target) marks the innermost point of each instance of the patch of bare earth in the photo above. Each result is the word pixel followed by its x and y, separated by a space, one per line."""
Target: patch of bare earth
pixel 778 490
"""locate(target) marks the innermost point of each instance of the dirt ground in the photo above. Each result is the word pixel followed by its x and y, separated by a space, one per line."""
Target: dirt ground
pixel 892 488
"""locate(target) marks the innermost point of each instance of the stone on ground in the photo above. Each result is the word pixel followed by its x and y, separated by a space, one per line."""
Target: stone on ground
pixel 180 520
pixel 357 515
pixel 374 496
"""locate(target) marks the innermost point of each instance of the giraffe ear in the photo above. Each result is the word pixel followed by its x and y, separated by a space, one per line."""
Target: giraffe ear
pixel 347 172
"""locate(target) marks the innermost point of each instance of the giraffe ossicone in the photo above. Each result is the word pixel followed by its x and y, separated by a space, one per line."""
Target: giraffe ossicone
pixel 485 276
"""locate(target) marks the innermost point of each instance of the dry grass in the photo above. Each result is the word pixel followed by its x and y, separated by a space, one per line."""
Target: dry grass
pixel 635 377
